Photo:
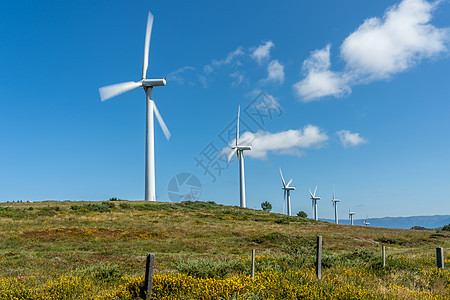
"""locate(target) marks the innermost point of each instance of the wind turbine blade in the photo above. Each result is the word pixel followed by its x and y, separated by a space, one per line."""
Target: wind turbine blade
pixel 284 202
pixel 237 126
pixel 289 182
pixel 311 193
pixel 161 123
pixel 282 179
pixel 315 191
pixel 148 34
pixel 113 90
pixel 230 156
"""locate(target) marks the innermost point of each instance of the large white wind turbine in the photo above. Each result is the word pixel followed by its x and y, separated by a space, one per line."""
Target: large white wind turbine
pixel 110 91
pixel 239 150
pixel 314 199
pixel 287 195
pixel 350 215
pixel 335 202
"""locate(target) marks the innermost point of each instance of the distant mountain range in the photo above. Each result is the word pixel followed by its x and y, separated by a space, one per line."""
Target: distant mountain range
pixel 401 222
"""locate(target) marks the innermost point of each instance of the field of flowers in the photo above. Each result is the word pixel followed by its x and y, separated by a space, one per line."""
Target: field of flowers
pixel 82 250
pixel 337 283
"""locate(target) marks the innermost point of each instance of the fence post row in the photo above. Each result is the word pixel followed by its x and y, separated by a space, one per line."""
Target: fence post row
pixel 440 257
pixel 148 284
pixel 319 258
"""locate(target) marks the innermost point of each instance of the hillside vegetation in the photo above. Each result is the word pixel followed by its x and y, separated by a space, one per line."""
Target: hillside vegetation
pixel 87 250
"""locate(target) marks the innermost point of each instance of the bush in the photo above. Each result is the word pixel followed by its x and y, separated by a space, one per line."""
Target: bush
pixel 92 207
pixel 302 214
pixel 125 205
pixel 266 206
pixel 446 228
pixel 105 272
pixel 109 204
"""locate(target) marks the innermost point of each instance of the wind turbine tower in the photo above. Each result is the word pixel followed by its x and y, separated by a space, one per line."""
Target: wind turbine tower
pixel 287 195
pixel 350 215
pixel 239 150
pixel 111 91
pixel 335 202
pixel 314 199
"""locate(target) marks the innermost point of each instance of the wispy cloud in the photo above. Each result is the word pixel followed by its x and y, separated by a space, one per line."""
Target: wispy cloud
pixel 349 139
pixel 262 52
pixel 288 142
pixel 231 57
pixel 238 78
pixel 177 75
pixel 378 49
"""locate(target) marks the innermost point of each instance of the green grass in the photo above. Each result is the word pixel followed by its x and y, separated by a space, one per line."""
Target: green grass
pixel 108 240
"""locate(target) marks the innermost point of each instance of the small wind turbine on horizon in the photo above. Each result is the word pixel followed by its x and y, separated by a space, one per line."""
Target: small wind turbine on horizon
pixel 350 215
pixel 111 91
pixel 239 150
pixel 335 202
pixel 287 195
pixel 314 199
pixel 366 223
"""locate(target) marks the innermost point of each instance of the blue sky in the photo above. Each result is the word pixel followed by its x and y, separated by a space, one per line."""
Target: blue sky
pixel 362 91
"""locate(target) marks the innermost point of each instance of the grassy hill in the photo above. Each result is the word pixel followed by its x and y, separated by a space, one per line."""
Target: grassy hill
pixel 103 246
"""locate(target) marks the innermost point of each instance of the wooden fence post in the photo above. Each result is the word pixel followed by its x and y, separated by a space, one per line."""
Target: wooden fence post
pixel 148 283
pixel 440 257
pixel 253 264
pixel 319 258
pixel 383 251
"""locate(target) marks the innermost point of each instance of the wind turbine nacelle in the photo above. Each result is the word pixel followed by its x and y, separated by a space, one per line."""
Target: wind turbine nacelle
pixel 288 188
pixel 154 82
pixel 244 147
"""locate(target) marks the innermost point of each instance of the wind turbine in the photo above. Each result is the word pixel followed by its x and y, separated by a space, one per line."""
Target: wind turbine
pixel 335 202
pixel 365 222
pixel 314 199
pixel 287 189
pixel 239 150
pixel 350 215
pixel 111 91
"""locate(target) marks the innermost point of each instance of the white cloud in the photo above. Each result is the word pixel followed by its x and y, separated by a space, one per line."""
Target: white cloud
pixel 378 49
pixel 177 75
pixel 349 139
pixel 320 81
pixel 262 52
pixel 382 47
pixel 285 142
pixel 275 71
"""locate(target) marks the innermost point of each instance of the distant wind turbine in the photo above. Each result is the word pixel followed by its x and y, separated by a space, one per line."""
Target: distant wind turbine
pixel 314 199
pixel 287 195
pixel 335 202
pixel 366 223
pixel 111 91
pixel 350 215
pixel 239 150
